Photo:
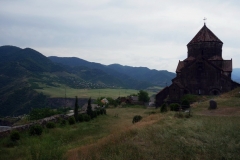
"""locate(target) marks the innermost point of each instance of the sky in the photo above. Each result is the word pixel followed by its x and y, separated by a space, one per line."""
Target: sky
pixel 146 33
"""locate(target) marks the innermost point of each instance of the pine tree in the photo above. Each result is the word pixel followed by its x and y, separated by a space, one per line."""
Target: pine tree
pixel 76 109
pixel 89 107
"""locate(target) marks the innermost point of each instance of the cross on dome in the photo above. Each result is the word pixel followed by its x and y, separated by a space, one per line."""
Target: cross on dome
pixel 204 20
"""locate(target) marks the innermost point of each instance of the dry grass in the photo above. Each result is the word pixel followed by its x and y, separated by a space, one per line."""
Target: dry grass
pixel 209 134
pixel 121 131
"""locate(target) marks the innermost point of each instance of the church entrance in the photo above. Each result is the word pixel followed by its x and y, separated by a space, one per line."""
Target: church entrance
pixel 215 92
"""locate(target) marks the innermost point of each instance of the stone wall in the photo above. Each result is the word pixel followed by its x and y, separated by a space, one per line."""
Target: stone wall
pixel 25 127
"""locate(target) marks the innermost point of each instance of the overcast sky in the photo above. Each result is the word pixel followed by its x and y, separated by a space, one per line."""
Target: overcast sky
pixel 148 33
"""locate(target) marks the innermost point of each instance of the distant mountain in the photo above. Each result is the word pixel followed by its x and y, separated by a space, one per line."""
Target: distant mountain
pixel 23 70
pixel 126 81
pixel 236 74
pixel 17 67
pixel 125 73
pixel 159 78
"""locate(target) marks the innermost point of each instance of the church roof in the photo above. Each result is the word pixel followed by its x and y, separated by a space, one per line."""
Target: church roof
pixel 215 58
pixel 227 65
pixel 204 35
pixel 190 58
pixel 180 66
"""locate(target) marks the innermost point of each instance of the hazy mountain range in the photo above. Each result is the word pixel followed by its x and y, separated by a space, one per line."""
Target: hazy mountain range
pixel 142 74
pixel 236 75
pixel 23 70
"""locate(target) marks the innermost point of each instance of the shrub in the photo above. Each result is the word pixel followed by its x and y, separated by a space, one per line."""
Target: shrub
pixel 190 98
pixel 98 112
pixel 50 125
pixel 63 122
pixel 39 113
pixel 163 108
pixel 80 118
pixel 36 130
pixel 14 136
pixel 136 119
pixel 71 120
pixel 174 107
pixel 94 114
pixel 185 104
pixel 86 118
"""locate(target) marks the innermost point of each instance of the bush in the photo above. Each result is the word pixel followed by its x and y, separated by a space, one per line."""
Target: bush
pixel 163 108
pixel 50 125
pixel 174 107
pixel 71 120
pixel 14 136
pixel 39 113
pixel 36 130
pixel 86 118
pixel 94 114
pixel 185 104
pixel 80 118
pixel 98 112
pixel 190 98
pixel 136 119
pixel 63 122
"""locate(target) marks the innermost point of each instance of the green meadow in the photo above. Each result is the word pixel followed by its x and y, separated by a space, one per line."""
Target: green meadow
pixel 86 93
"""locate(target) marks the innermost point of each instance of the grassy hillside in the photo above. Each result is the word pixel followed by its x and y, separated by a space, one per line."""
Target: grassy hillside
pixel 208 134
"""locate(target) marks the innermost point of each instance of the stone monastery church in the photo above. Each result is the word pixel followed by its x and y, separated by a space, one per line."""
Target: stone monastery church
pixel 203 72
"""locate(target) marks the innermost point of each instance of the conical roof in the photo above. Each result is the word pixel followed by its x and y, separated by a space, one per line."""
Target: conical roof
pixel 205 35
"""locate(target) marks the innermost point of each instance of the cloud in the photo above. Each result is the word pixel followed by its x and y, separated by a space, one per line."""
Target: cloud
pixel 153 33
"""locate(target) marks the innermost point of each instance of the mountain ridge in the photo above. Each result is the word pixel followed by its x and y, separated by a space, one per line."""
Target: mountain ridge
pixel 156 77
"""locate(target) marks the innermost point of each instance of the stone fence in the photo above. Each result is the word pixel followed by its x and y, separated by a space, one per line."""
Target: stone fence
pixel 6 130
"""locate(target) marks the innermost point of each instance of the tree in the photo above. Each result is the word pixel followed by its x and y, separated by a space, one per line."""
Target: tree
pixel 76 109
pixel 143 96
pixel 89 107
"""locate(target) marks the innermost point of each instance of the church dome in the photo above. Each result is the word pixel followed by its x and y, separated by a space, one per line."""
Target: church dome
pixel 205 35
pixel 205 43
